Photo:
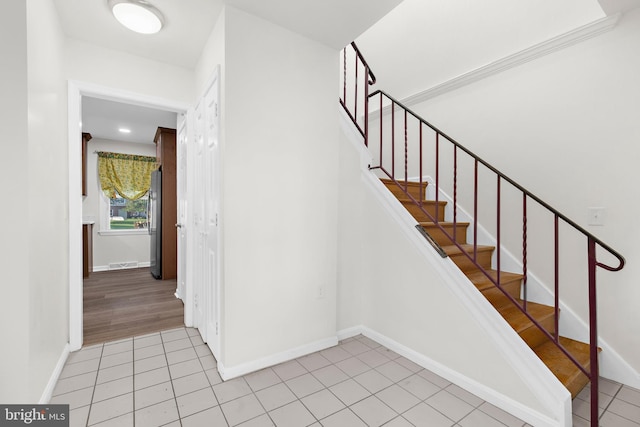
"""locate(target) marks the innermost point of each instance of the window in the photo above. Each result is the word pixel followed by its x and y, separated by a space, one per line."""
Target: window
pixel 120 216
pixel 125 180
pixel 128 214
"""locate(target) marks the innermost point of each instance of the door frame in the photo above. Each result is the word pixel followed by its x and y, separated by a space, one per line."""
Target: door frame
pixel 76 90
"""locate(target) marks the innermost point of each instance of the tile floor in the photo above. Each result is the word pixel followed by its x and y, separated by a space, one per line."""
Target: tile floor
pixel 170 379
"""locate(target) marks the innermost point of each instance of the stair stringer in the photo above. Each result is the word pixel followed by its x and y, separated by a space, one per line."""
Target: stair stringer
pixel 546 401
pixel 612 365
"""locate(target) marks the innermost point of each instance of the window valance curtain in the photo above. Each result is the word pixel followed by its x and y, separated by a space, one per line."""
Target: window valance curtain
pixel 127 175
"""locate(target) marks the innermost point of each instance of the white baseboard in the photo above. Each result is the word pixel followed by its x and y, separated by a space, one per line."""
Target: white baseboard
pixel 227 373
pixel 53 380
pixel 350 332
pixel 489 395
pixel 121 266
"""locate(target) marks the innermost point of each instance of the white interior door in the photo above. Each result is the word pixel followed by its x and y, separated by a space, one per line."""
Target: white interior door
pixel 211 216
pixel 182 223
pixel 199 229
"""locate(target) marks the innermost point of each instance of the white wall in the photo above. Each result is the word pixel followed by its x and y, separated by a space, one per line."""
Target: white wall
pixel 213 54
pixel 48 232
pixel 35 314
pixel 565 126
pixel 280 155
pixel 420 43
pixel 107 248
pixel 14 258
pixel 90 63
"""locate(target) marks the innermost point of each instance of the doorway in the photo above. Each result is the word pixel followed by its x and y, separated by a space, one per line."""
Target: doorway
pixel 77 91
pixel 130 302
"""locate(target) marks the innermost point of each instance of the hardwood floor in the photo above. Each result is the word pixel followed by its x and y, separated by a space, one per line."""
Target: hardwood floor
pixel 123 303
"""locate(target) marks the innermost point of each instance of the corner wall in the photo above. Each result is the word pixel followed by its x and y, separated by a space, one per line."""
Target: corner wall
pixel 14 258
pixel 48 186
pixel 280 156
pixel 34 244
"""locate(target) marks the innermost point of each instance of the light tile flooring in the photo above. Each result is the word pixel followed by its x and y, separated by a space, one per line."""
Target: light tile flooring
pixel 170 379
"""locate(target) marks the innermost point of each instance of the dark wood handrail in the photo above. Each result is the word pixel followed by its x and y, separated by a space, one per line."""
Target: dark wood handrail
pixel 372 77
pixel 529 194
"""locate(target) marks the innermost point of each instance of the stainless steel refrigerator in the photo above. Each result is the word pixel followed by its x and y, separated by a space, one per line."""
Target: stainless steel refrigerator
pixel 155 223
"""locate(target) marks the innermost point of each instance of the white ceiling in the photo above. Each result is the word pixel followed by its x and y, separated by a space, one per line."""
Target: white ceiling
pixel 102 119
pixel 188 24
pixel 419 44
pixel 335 23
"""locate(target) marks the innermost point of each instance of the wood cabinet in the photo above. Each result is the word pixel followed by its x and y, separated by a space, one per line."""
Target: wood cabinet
pixel 85 138
pixel 165 140
pixel 87 249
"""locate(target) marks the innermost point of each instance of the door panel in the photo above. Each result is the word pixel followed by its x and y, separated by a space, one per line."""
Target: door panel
pixel 182 223
pixel 211 216
pixel 199 224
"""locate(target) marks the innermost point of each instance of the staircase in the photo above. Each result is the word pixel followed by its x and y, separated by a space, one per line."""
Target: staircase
pixel 562 367
pixel 402 144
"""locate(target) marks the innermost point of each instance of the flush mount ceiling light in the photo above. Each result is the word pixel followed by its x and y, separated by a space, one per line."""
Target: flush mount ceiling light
pixel 137 15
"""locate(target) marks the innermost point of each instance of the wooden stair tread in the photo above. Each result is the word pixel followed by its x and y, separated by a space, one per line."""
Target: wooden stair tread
pixel 562 367
pixel 482 282
pixel 445 235
pixel 398 189
pixel 387 181
pixel 406 200
pixel 429 224
pixel 463 256
pixel 454 250
pixel 519 321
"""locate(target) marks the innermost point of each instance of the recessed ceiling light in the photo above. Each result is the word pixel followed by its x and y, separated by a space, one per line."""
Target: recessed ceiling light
pixel 124 130
pixel 137 15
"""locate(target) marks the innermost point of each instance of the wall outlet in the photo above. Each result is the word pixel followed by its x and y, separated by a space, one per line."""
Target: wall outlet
pixel 596 216
pixel 320 292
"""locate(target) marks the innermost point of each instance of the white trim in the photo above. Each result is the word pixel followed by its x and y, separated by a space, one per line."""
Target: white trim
pixel 614 367
pixel 489 395
pixel 125 266
pixel 539 50
pixel 350 332
pixel 187 298
pixel 75 217
pixel 76 90
pixel 355 138
pixel 228 373
pixel 55 375
pixel 133 232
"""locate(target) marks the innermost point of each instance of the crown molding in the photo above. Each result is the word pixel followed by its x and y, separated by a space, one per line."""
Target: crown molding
pixel 539 50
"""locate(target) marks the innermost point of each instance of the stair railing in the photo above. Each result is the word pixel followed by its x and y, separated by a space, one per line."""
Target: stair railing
pixel 356 80
pixel 401 137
